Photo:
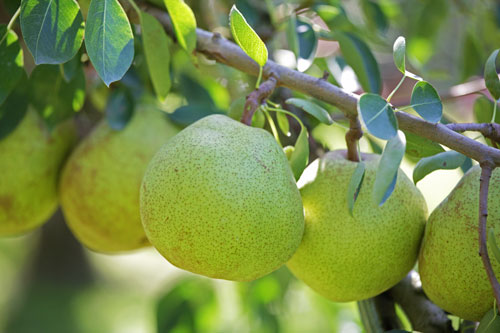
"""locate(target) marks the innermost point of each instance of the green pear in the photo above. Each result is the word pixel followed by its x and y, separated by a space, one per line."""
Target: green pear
pixel 220 200
pixel 349 258
pixel 101 181
pixel 30 160
pixel 450 267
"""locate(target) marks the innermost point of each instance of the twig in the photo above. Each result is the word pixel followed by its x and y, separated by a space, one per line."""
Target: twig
pixel 486 171
pixel 489 130
pixel 352 137
pixel 257 97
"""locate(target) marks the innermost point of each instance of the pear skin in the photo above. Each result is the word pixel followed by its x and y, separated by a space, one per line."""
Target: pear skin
pixel 450 267
pixel 220 200
pixel 30 161
pixel 101 181
pixel 349 258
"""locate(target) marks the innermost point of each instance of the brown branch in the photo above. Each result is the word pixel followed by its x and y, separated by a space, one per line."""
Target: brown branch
pixel 257 97
pixel 486 171
pixel 488 130
pixel 352 137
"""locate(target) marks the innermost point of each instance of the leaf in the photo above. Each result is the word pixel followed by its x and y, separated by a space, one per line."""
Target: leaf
pixel 493 244
pixel 300 155
pixel 14 107
pixel 291 35
pixel 313 109
pixel 194 92
pixel 425 100
pixel 109 40
pixel 120 108
pixel 398 53
pixel 70 68
pixel 355 186
pixel 11 62
pixel 374 16
pixel 360 58
pixel 490 75
pixel 490 323
pixel 483 110
pixel 283 123
pixel 188 114
pixel 156 50
pixel 184 23
pixel 247 38
pixel 52 30
pixel 378 116
pixel 447 160
pixel 417 146
pixel 388 167
pixel 58 100
pixel 308 42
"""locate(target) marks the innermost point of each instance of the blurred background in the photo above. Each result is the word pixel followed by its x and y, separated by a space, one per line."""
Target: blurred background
pixel 50 283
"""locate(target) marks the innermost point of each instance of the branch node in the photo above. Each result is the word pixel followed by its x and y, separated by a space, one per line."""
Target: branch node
pixel 257 97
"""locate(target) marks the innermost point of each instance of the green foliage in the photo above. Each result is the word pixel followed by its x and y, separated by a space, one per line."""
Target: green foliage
pixel 491 76
pixel 418 147
pixel 483 110
pixel 425 100
pixel 311 108
pixel 11 62
pixel 14 108
pixel 445 160
pixel 378 116
pixel 184 23
pixel 120 108
pixel 355 185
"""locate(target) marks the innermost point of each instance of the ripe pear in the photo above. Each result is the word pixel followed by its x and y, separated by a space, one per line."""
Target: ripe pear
pixel 101 181
pixel 348 258
pixel 30 160
pixel 450 267
pixel 219 199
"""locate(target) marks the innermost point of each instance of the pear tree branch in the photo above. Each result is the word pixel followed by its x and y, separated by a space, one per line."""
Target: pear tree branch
pixel 488 130
pixel 486 171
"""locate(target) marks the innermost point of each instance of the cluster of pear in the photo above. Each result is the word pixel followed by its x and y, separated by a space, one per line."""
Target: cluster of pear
pixel 219 199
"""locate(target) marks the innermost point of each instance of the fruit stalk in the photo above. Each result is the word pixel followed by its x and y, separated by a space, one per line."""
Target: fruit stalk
pixel 484 181
pixel 257 97
pixel 352 137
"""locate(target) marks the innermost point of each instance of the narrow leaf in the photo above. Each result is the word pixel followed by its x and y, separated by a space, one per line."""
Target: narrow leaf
pixel 492 242
pixel 355 186
pixel 70 68
pixel 291 35
pixel 120 108
pixel 447 160
pixel 490 75
pixel 14 107
pixel 109 40
pixel 425 100
pixel 283 123
pixel 378 116
pixel 11 62
pixel 483 110
pixel 156 50
pixel 374 16
pixel 52 30
pixel 188 114
pixel 247 38
pixel 358 55
pixel 308 43
pixel 313 109
pixel 300 155
pixel 490 323
pixel 419 147
pixel 184 23
pixel 388 168
pixel 398 52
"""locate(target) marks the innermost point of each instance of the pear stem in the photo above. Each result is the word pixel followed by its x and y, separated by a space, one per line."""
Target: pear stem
pixel 486 171
pixel 257 97
pixel 352 137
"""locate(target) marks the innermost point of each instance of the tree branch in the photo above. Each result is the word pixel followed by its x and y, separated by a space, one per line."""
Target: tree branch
pixel 486 170
pixel 488 130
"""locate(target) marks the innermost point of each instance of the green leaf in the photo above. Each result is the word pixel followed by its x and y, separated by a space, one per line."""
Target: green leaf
pixel 417 146
pixel 483 110
pixel 14 107
pixel 425 100
pixel 490 323
pixel 291 35
pixel 156 50
pixel 52 30
pixel 308 42
pixel 188 114
pixel 184 23
pixel 355 185
pixel 447 160
pixel 70 68
pixel 283 123
pixel 374 16
pixel 120 108
pixel 300 155
pixel 58 100
pixel 388 167
pixel 109 40
pixel 360 58
pixel 493 244
pixel 398 53
pixel 247 38
pixel 313 109
pixel 378 116
pixel 11 62
pixel 490 75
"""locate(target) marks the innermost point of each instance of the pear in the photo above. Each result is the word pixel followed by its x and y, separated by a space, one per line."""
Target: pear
pixel 450 267
pixel 30 160
pixel 101 181
pixel 219 199
pixel 349 258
